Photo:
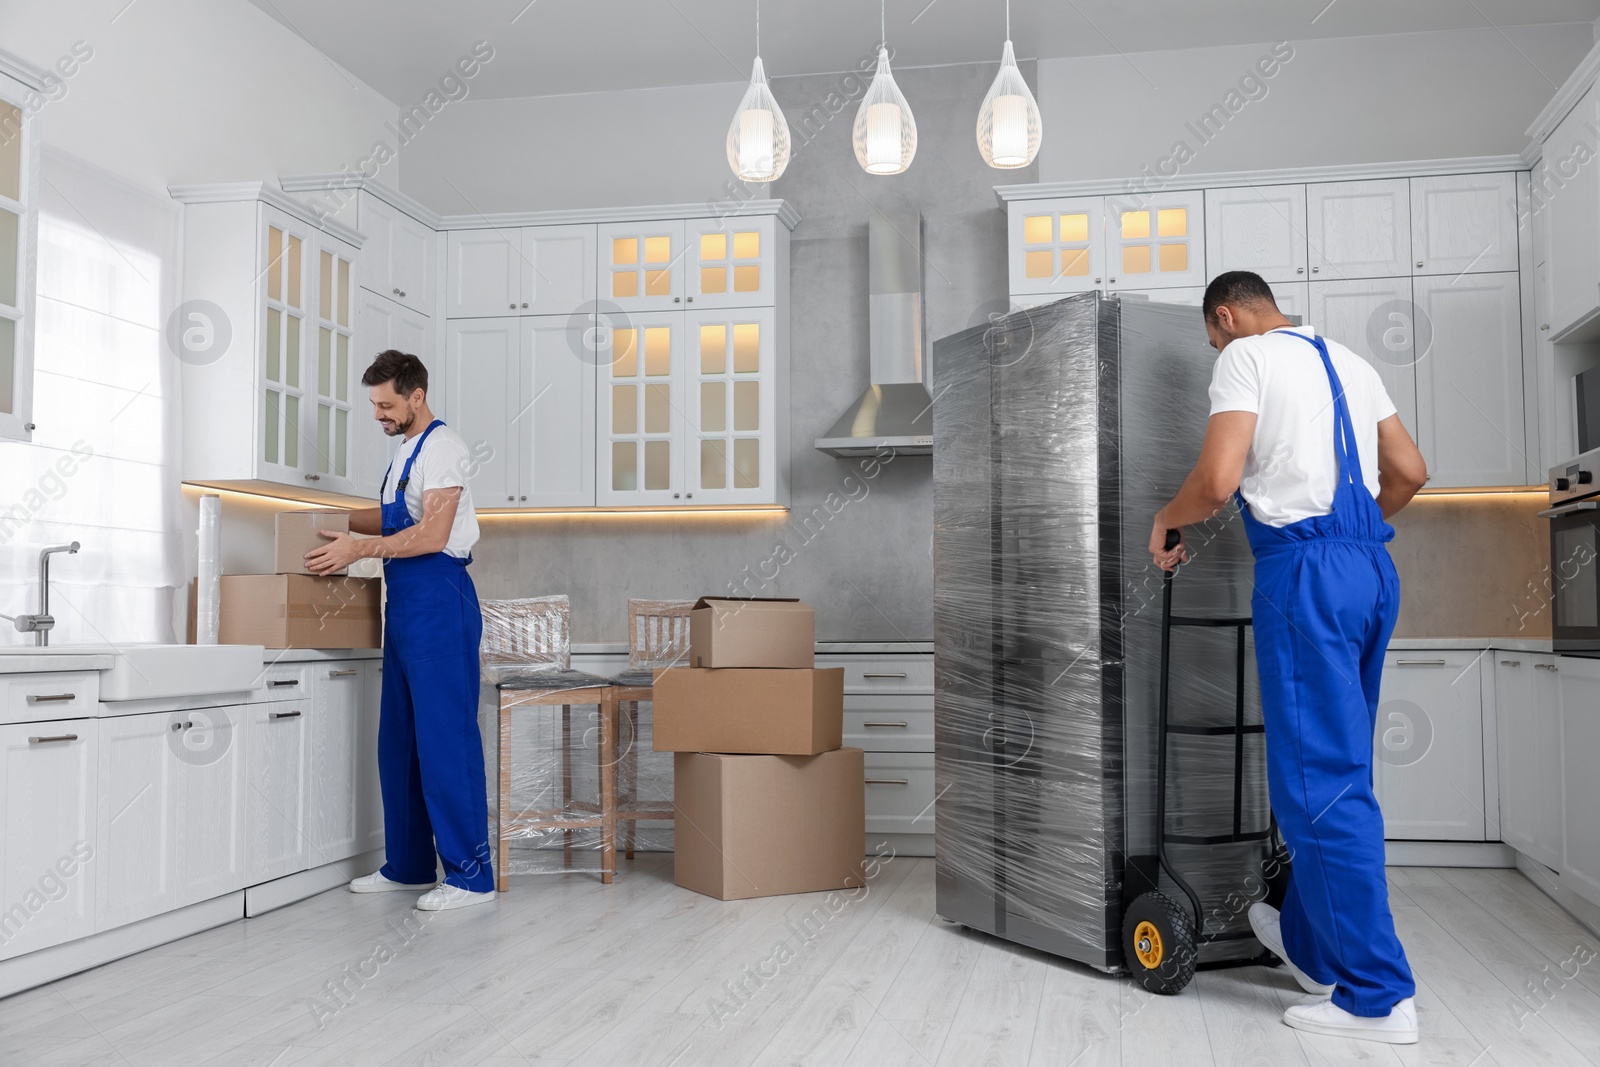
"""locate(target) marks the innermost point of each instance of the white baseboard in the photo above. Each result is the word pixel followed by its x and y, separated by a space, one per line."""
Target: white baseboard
pixel 1449 854
pixel 1549 883
pixel 259 899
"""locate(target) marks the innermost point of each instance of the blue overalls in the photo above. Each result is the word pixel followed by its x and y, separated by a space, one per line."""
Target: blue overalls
pixel 1325 602
pixel 430 754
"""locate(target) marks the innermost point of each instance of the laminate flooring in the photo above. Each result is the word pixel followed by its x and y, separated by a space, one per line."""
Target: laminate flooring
pixel 563 970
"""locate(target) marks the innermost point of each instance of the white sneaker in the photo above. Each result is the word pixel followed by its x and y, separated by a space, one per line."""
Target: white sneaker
pixel 1399 1027
pixel 1264 921
pixel 377 883
pixel 449 897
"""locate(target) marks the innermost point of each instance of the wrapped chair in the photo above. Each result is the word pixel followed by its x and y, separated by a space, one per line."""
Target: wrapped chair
pixel 658 636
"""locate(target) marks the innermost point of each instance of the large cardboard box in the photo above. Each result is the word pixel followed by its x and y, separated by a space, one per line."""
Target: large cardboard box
pixel 756 826
pixel 297 532
pixel 301 611
pixel 728 632
pixel 766 711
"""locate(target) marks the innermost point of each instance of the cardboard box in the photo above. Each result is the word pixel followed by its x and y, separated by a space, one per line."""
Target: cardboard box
pixel 301 611
pixel 297 532
pixel 757 826
pixel 727 632
pixel 767 711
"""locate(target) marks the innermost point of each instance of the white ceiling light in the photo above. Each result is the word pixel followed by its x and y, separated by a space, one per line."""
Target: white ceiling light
pixel 885 132
pixel 1009 125
pixel 758 140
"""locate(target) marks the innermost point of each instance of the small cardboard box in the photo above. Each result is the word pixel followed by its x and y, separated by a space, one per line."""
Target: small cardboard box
pixel 729 632
pixel 301 611
pixel 297 532
pixel 765 711
pixel 757 826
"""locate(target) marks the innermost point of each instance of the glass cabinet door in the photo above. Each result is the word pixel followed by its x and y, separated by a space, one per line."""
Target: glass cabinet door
pixel 639 459
pixel 16 373
pixel 642 266
pixel 1057 246
pixel 1156 241
pixel 286 426
pixel 333 382
pixel 730 406
pixel 730 262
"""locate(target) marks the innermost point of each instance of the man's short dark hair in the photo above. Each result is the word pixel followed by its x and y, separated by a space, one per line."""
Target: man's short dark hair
pixel 404 370
pixel 1237 288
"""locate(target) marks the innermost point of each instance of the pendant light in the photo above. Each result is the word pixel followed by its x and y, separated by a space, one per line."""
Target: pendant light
pixel 758 139
pixel 885 133
pixel 1009 126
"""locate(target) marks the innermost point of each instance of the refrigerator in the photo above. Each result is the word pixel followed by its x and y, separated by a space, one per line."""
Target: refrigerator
pixel 1058 432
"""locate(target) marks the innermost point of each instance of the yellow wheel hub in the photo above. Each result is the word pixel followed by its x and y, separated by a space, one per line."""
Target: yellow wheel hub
pixel 1147 945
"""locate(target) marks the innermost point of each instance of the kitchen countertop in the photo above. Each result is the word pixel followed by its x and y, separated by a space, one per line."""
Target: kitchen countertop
pixel 1507 644
pixel 319 655
pixel 27 661
pixel 824 648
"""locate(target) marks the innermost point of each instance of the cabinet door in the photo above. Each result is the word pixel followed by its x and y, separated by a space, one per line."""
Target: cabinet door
pixel 1257 228
pixel 47 856
pixel 558 269
pixel 286 419
pixel 19 187
pixel 1359 229
pixel 1516 716
pixel 1156 241
pixel 1580 740
pixel 731 405
pixel 411 269
pixel 642 265
pixel 639 457
pixel 483 273
pixel 1571 196
pixel 1464 223
pixel 1469 381
pixel 485 403
pixel 731 262
pixel 1428 752
pixel 1376 320
pixel 411 331
pixel 210 818
pixel 1294 298
pixel 555 425
pixel 376 220
pixel 136 861
pixel 333 827
pixel 369 791
pixel 1056 247
pixel 326 451
pixel 275 811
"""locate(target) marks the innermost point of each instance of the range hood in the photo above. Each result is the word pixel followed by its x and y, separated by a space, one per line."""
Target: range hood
pixel 896 411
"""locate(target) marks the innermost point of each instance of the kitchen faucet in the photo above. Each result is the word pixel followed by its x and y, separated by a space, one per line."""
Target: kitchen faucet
pixel 40 625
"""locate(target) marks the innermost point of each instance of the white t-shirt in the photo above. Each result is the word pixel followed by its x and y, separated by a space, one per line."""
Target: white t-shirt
pixel 444 463
pixel 1290 471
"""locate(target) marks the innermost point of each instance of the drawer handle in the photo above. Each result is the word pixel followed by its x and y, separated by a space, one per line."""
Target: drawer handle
pixel 1419 663
pixel 344 674
pixel 1511 663
pixel 50 740
pixel 283 682
pixel 1551 667
pixel 888 781
pixel 283 714
pixel 51 698
pixel 869 674
pixel 897 725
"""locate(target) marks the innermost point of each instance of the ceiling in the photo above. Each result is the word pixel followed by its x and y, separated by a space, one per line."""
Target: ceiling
pixel 544 47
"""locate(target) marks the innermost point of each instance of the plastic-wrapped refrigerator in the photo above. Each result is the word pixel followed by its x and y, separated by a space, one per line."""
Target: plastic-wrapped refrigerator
pixel 1058 432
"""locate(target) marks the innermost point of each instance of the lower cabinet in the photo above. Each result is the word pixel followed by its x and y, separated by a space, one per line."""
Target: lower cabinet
pixel 210 816
pixel 369 797
pixel 48 851
pixel 1528 728
pixel 275 808
pixel 1428 751
pixel 334 736
pixel 1580 789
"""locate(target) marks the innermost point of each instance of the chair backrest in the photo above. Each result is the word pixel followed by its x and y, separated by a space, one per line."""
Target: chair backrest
pixel 658 633
pixel 527 634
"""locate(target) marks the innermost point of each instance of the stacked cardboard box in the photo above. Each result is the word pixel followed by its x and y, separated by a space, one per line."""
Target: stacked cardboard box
pixel 766 800
pixel 293 608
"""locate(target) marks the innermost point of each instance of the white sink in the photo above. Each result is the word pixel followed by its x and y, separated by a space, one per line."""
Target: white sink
pixel 140 672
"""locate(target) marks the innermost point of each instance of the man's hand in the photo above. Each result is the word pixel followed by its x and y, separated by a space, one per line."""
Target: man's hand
pixel 1166 558
pixel 340 551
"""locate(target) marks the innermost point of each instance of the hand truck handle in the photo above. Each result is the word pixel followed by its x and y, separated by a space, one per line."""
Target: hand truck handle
pixel 1174 538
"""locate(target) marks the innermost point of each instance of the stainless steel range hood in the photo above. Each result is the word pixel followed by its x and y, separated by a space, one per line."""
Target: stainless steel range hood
pixel 896 412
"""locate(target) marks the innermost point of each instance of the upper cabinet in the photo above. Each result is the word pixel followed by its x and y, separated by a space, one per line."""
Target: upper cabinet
pixel 1257 228
pixel 1155 242
pixel 1566 187
pixel 1464 223
pixel 398 258
pixel 642 265
pixel 733 262
pixel 1076 244
pixel 19 169
pixel 528 270
pixel 1359 229
pixel 1057 246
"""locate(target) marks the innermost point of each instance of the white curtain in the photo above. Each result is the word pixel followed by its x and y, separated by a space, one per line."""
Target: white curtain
pixel 103 466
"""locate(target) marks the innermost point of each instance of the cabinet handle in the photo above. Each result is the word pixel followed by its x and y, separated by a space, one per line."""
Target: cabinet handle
pixel 1551 667
pixel 283 714
pixel 281 682
pixel 1419 262
pixel 1511 663
pixel 888 781
pixel 1546 326
pixel 1314 270
pixel 677 300
pixel 313 477
pixel 397 292
pixel 674 496
pixel 524 303
pixel 899 725
pixel 50 740
pixel 51 698
pixel 511 499
pixel 691 299
pixel 344 674
pixel 524 498
pixel 1299 270
pixel 1113 281
pixel 1419 663
pixel 898 674
pixel 512 306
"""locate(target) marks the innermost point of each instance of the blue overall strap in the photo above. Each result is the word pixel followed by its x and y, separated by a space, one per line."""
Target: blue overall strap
pixel 405 472
pixel 1344 431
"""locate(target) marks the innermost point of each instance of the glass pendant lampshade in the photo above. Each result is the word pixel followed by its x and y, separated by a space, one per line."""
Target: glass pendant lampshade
pixel 758 139
pixel 885 132
pixel 1009 125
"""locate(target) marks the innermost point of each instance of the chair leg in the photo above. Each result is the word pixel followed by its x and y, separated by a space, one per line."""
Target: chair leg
pixel 566 781
pixel 631 794
pixel 608 788
pixel 502 859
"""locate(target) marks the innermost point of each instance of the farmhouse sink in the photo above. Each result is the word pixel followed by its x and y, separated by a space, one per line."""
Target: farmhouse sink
pixel 142 672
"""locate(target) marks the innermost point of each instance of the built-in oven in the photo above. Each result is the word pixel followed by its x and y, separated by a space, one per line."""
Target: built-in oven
pixel 1574 515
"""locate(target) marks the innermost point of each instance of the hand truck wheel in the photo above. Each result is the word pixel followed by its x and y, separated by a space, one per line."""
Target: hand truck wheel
pixel 1158 941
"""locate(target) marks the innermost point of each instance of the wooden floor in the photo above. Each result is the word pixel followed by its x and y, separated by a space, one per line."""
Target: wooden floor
pixel 562 970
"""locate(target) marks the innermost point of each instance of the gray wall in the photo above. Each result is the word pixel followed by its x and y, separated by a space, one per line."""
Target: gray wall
pixel 856 546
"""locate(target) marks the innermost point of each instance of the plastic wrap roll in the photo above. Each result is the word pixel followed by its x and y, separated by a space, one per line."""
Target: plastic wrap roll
pixel 208 595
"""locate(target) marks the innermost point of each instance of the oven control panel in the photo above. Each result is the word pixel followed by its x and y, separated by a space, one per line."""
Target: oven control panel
pixel 1575 479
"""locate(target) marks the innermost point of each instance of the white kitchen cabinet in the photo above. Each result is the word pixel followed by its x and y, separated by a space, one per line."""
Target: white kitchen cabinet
pixel 334 736
pixel 276 762
pixel 1428 752
pixel 1376 320
pixel 1294 298
pixel 48 783
pixel 397 260
pixel 484 397
pixel 1155 241
pixel 730 406
pixel 642 265
pixel 529 270
pixel 1469 381
pixel 1528 715
pixel 1359 229
pixel 733 262
pixel 19 199
pixel 369 793
pixel 136 861
pixel 209 815
pixel 1057 247
pixel 1464 223
pixel 1260 228
pixel 1567 187
pixel 1580 792
pixel 558 269
pixel 385 324
pixel 483 272
pixel 639 459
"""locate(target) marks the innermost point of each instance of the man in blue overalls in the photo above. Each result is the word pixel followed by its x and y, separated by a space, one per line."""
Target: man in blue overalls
pixel 1297 423
pixel 430 754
